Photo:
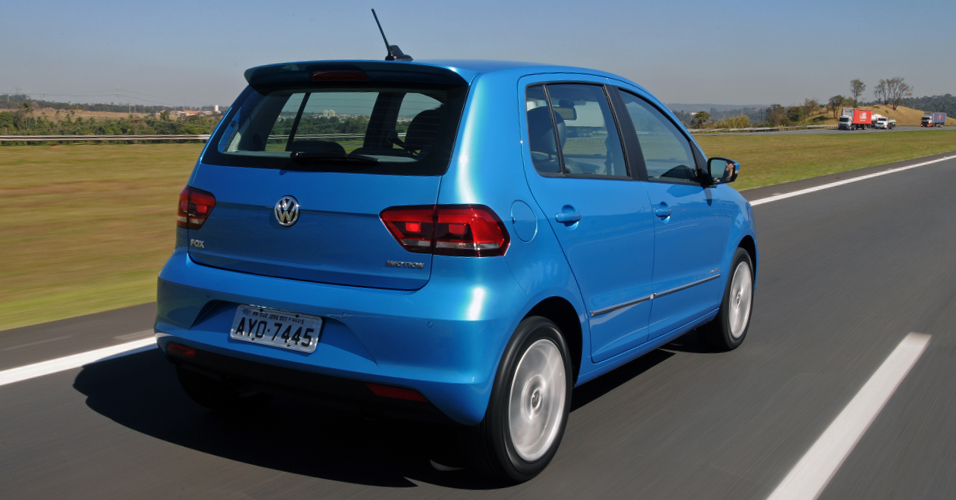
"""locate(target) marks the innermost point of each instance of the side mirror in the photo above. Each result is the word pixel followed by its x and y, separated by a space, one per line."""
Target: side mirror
pixel 723 170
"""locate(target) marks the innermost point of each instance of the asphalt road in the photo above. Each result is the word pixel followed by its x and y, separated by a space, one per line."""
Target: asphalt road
pixel 846 273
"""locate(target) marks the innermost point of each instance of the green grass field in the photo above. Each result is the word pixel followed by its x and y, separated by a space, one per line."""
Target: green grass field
pixel 773 159
pixel 86 228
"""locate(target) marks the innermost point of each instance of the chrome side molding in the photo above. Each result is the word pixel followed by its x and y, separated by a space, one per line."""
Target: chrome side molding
pixel 622 305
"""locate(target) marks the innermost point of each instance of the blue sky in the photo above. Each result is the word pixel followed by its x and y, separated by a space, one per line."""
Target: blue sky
pixel 684 51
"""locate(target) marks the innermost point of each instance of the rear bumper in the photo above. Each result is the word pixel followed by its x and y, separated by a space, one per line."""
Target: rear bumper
pixel 339 393
pixel 444 340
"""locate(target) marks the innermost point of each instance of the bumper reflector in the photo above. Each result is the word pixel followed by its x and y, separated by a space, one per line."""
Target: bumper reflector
pixel 180 350
pixel 387 391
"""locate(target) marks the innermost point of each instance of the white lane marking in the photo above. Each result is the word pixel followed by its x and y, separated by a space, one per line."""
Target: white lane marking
pixel 27 372
pixel 812 473
pixel 135 335
pixel 47 341
pixel 771 199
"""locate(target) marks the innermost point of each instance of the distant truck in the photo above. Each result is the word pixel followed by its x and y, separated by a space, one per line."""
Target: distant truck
pixel 855 119
pixel 884 122
pixel 933 120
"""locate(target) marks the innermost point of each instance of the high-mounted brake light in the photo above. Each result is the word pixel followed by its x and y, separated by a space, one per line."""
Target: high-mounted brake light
pixel 195 205
pixel 464 230
pixel 338 76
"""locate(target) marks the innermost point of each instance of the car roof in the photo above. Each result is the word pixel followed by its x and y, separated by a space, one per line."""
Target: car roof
pixel 481 67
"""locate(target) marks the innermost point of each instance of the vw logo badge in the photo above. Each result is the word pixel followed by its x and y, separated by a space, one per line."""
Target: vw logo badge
pixel 287 211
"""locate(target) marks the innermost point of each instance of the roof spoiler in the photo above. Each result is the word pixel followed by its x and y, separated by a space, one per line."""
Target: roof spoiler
pixel 264 79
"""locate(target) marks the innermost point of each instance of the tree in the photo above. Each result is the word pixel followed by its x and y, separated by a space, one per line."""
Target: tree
pixel 835 103
pixel 880 92
pixel 856 89
pixel 943 103
pixel 739 121
pixel 795 114
pixel 683 116
pixel 21 117
pixel 811 106
pixel 700 118
pixel 896 90
pixel 776 116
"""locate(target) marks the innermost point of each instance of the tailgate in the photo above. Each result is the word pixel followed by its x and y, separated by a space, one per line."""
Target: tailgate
pixel 338 237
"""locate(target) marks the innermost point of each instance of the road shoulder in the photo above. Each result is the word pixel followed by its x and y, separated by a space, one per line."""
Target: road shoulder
pixel 789 187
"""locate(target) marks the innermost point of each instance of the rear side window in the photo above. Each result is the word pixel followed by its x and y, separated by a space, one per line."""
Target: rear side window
pixel 384 129
pixel 667 153
pixel 571 130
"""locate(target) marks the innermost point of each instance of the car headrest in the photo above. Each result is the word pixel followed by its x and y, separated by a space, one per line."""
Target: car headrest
pixel 541 131
pixel 423 129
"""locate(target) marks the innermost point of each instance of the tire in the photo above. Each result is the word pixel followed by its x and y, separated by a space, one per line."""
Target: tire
pixel 727 331
pixel 528 409
pixel 219 395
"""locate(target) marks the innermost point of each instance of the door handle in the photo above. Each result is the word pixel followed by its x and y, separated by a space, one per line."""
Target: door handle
pixel 567 217
pixel 663 211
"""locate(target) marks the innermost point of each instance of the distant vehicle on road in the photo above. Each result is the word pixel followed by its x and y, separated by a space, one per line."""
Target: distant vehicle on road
pixel 884 122
pixel 933 120
pixel 856 119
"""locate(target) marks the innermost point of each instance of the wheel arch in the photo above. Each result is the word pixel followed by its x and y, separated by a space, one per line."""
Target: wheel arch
pixel 563 314
pixel 748 244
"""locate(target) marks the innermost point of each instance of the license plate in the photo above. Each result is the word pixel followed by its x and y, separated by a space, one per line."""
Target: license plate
pixel 287 330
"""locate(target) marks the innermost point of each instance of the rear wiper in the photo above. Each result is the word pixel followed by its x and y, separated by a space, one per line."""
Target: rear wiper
pixel 307 158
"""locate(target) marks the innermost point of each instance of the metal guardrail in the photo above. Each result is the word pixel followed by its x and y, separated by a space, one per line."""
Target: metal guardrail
pixel 199 137
pixel 120 138
pixel 755 129
pixel 285 137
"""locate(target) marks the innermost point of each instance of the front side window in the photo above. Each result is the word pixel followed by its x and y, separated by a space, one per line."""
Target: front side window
pixel 571 130
pixel 667 153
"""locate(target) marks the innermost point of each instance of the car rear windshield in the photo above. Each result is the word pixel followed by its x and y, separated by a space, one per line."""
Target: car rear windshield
pixel 399 129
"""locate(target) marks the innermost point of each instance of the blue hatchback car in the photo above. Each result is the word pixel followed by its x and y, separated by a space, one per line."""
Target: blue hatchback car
pixel 457 241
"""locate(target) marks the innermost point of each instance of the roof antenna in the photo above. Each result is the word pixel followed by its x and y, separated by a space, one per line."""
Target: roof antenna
pixel 394 53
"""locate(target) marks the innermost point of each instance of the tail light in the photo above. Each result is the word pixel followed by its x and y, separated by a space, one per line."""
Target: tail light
pixel 195 205
pixel 464 230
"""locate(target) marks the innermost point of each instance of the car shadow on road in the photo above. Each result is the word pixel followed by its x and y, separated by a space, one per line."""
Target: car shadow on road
pixel 141 392
pixel 594 389
pixel 689 342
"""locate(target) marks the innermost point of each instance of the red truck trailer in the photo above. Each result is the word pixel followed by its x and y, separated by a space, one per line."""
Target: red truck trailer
pixel 860 118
